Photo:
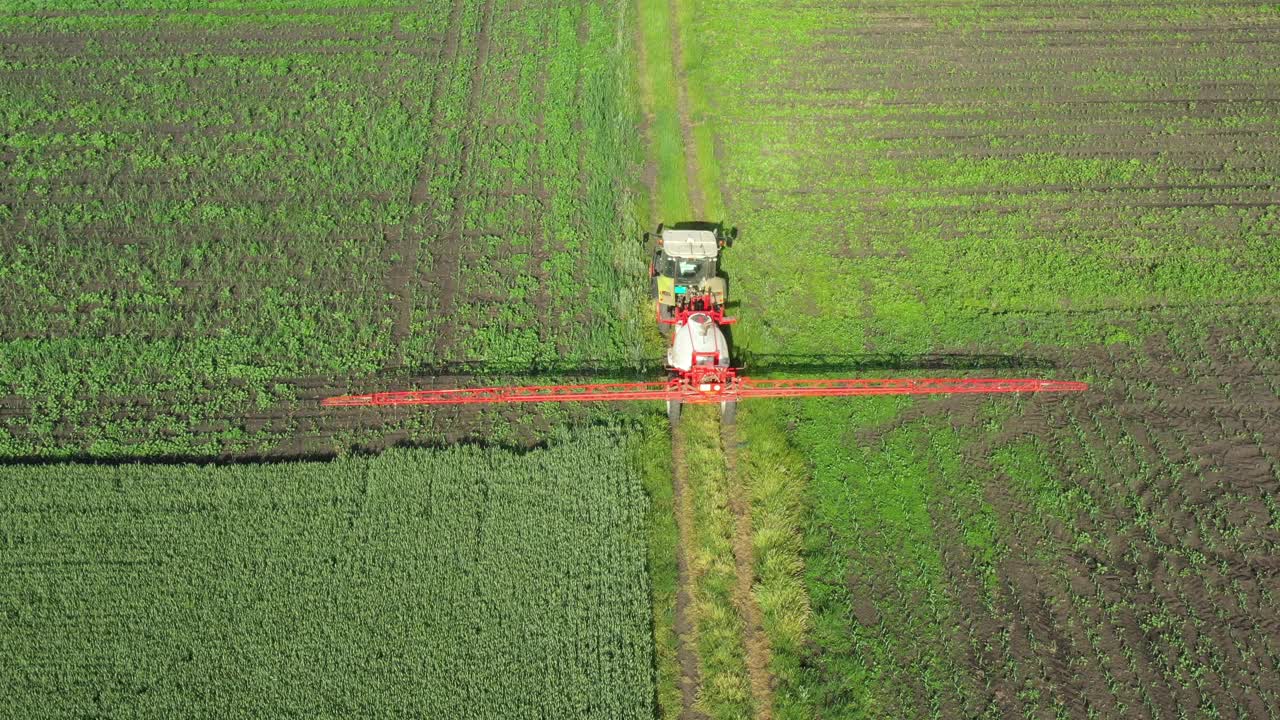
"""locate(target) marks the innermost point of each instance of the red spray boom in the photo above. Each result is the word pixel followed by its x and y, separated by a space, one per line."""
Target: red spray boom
pixel 710 383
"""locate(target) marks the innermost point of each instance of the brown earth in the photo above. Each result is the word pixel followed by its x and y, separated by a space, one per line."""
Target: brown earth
pixel 1161 596
pixel 298 427
pixel 445 268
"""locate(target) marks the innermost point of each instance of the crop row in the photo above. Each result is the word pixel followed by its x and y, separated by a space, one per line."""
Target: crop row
pixel 1093 195
pixel 205 217
pixel 453 583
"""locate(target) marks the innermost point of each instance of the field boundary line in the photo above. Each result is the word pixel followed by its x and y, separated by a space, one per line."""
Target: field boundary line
pixel 681 672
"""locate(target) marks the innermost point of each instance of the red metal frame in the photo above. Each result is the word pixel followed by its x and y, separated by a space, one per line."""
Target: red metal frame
pixel 707 385
pixel 691 305
pixel 900 386
pixel 705 304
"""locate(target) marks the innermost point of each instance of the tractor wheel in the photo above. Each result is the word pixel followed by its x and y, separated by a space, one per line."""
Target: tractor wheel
pixel 673 412
pixel 666 312
pixel 728 412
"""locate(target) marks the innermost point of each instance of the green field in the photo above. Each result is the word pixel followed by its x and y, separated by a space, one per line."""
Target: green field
pixel 210 218
pixel 1073 189
pixel 455 583
pixel 213 215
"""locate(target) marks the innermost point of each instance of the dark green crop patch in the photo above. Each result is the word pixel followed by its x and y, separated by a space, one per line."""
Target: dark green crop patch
pixel 451 583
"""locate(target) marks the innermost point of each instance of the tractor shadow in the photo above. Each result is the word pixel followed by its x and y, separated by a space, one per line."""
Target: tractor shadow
pixel 750 363
pixel 715 227
pixel 793 363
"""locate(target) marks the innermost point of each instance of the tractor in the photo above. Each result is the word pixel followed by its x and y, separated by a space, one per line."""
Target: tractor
pixel 685 267
pixel 691 294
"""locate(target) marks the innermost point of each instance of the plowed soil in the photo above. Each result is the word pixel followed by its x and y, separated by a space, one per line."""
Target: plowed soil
pixel 1167 572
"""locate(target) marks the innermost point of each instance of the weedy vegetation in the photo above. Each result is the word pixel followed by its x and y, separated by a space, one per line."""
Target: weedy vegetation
pixel 1078 190
pixel 214 216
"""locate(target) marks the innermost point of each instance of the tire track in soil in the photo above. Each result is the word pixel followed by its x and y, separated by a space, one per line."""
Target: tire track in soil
pixel 406 248
pixel 754 641
pixel 690 679
pixel 686 632
pixel 691 166
pixel 446 272
pixel 222 12
pixel 446 262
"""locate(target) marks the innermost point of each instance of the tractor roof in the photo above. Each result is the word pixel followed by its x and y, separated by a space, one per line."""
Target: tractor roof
pixel 691 244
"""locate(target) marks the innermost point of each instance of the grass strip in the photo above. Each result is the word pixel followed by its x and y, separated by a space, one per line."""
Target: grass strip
pixel 652 455
pixel 725 691
pixel 777 477
pixel 700 110
pixel 658 87
pixel 773 471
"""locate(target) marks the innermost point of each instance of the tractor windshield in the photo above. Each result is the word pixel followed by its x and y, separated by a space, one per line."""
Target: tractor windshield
pixel 688 272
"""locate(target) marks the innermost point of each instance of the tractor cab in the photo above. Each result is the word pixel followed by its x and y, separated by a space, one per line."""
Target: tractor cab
pixel 685 267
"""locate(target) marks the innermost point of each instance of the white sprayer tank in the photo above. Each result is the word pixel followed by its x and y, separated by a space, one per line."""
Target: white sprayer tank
pixel 698 334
